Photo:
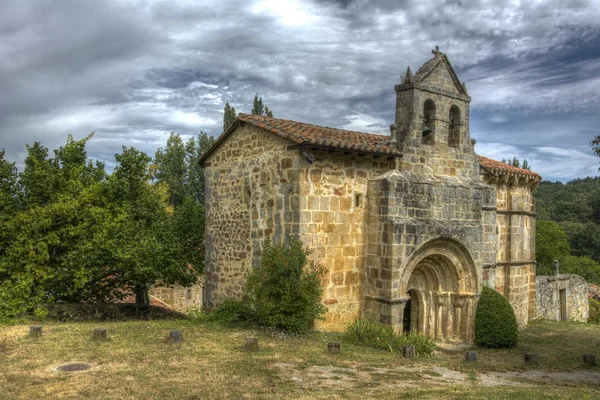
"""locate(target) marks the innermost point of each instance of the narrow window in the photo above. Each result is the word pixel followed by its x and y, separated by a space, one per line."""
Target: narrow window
pixel 454 127
pixel 189 294
pixel 357 199
pixel 428 129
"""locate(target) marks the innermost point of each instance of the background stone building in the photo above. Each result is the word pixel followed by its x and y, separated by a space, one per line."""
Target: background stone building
pixel 409 226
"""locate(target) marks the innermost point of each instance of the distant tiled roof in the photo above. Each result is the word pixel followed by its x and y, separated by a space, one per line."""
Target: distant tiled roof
pixel 322 136
pixel 500 167
pixel 299 132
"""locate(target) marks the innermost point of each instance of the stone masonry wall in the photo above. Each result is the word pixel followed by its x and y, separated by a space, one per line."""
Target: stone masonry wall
pixel 549 302
pixel 180 297
pixel 333 201
pixel 448 217
pixel 513 274
pixel 251 193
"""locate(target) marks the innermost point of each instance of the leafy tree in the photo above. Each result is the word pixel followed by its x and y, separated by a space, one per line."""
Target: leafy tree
pixel 195 149
pixel 39 179
pixel 551 244
pixel 171 167
pixel 285 293
pixel 228 116
pixel 595 143
pixel 9 188
pixel 516 163
pixel 525 164
pixel 495 321
pixel 146 249
pixel 259 108
pixel 583 266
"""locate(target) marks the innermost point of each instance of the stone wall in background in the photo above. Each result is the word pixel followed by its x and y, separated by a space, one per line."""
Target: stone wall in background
pixel 562 297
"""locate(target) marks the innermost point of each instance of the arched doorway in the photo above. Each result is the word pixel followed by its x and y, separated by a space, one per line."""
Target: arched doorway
pixel 410 320
pixel 441 282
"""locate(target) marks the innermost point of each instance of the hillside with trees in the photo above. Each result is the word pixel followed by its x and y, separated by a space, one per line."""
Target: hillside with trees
pixel 568 227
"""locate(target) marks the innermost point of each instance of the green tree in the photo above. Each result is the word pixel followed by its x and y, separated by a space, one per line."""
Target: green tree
pixel 39 179
pixel 146 248
pixel 285 292
pixel 584 266
pixel 551 244
pixel 595 143
pixel 171 167
pixel 526 164
pixel 9 188
pixel 228 116
pixel 195 149
pixel 258 108
pixel 516 163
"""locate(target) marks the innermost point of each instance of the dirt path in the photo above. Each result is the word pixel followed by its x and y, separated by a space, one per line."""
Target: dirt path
pixel 355 377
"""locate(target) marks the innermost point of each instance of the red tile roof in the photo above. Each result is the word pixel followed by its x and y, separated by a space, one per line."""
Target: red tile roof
pixel 322 136
pixel 299 132
pixel 500 167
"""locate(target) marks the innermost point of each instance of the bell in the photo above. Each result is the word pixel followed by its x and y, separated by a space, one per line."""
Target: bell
pixel 426 130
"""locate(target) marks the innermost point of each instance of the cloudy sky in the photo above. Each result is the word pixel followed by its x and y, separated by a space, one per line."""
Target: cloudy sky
pixel 135 70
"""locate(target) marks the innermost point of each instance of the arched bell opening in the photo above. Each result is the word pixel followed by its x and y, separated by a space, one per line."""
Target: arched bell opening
pixel 454 127
pixel 441 282
pixel 428 131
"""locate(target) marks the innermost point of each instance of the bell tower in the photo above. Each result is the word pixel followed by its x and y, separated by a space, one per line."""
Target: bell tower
pixel 432 121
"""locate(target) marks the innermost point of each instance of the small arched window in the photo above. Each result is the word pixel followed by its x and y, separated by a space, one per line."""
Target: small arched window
pixel 454 127
pixel 428 122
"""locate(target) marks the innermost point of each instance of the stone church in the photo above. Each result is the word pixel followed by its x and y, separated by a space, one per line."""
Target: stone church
pixel 409 226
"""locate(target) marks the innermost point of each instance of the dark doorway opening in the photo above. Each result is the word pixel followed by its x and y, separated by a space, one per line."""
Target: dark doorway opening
pixel 563 305
pixel 406 317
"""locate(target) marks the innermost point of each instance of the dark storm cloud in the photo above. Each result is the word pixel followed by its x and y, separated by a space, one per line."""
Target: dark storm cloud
pixel 135 70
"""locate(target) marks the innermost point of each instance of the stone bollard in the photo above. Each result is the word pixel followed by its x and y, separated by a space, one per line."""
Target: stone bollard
pixel 35 330
pixel 530 358
pixel 176 336
pixel 471 356
pixel 590 359
pixel 251 344
pixel 333 347
pixel 408 351
pixel 100 333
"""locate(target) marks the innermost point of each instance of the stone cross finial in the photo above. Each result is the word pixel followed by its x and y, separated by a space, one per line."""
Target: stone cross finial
pixel 393 132
pixel 436 51
pixel 556 267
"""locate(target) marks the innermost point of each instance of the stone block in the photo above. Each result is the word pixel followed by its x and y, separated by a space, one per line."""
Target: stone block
pixel 35 331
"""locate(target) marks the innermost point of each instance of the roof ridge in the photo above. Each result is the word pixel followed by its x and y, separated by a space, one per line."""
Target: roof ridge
pixel 316 126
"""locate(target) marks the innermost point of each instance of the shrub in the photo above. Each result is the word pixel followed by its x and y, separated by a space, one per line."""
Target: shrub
pixel 285 292
pixel 372 334
pixel 495 321
pixel 231 311
pixel 594 317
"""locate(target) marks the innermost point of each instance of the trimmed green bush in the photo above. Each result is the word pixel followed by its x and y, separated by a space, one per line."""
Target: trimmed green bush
pixel 495 321
pixel 372 334
pixel 285 292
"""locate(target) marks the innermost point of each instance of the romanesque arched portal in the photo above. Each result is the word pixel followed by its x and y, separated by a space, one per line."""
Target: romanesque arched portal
pixel 441 282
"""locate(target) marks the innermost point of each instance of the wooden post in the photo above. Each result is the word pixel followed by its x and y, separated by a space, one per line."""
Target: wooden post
pixel 530 358
pixel 251 344
pixel 35 330
pixel 100 333
pixel 471 356
pixel 590 359
pixel 176 335
pixel 408 351
pixel 333 347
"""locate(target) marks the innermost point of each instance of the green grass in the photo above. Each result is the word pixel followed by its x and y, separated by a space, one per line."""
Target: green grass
pixel 138 362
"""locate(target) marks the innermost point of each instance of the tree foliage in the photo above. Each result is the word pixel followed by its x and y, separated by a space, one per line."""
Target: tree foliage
pixel 551 244
pixel 228 116
pixel 495 321
pixel 516 163
pixel 258 108
pixel 72 233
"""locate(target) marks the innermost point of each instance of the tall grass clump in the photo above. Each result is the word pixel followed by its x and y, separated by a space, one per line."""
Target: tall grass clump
pixel 372 334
